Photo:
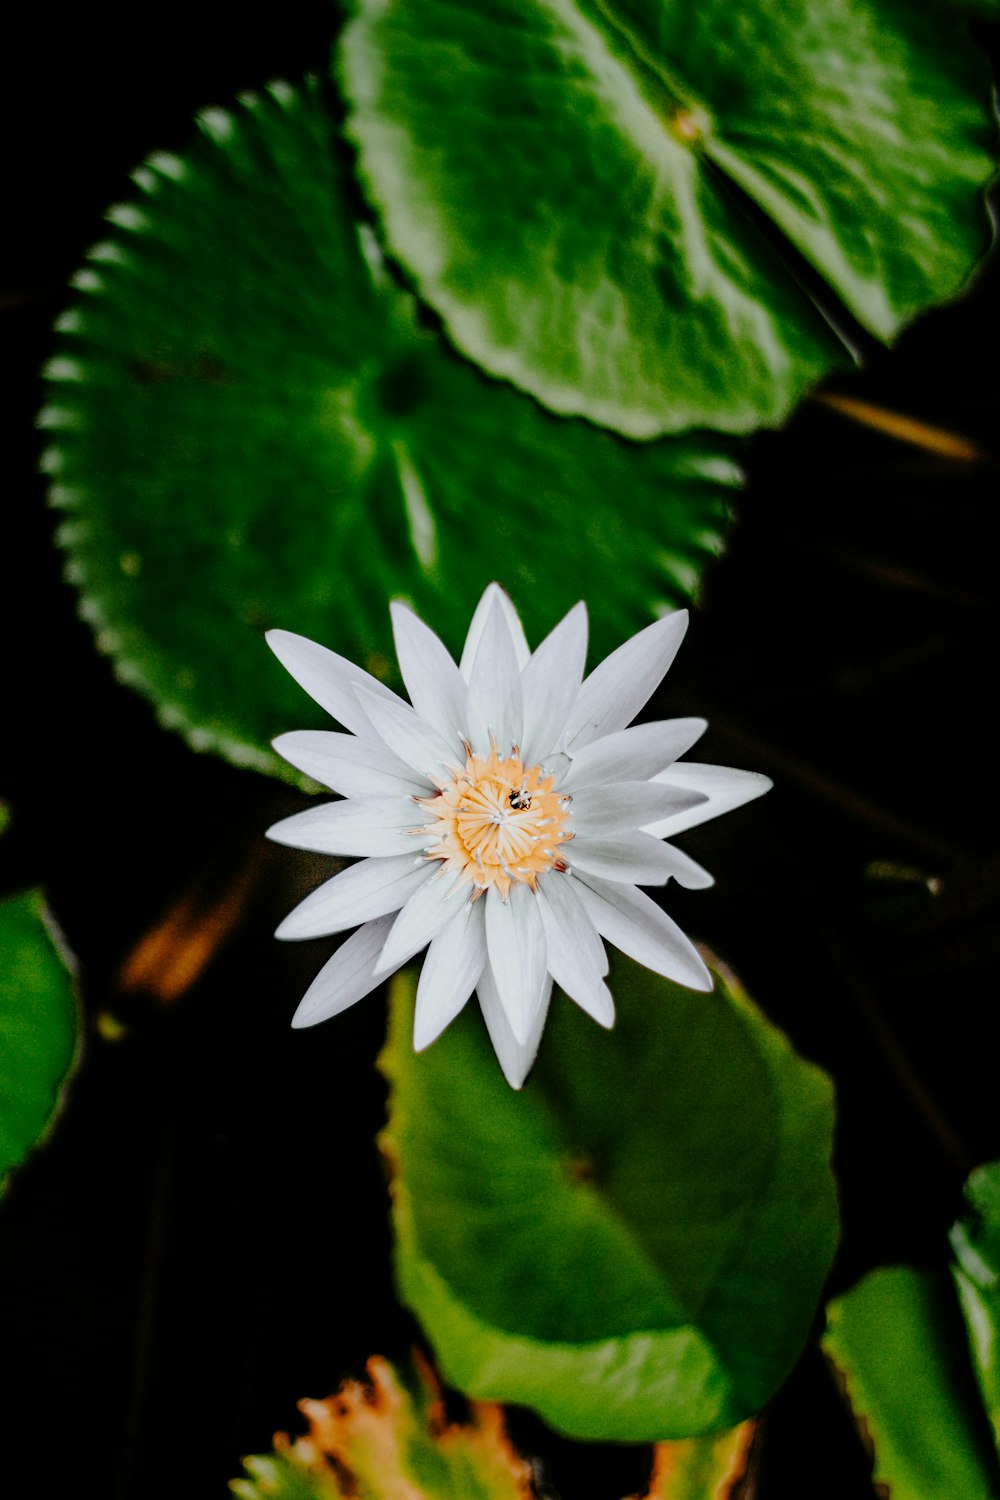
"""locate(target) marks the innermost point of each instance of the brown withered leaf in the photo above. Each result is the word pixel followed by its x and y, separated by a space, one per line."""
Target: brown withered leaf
pixel 172 955
pixel 385 1440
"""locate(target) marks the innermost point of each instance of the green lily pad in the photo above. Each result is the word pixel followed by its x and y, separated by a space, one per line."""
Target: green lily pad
pixel 252 429
pixel 896 1343
pixel 38 1024
pixel 568 186
pixel 975 1242
pixel 710 1467
pixel 635 1245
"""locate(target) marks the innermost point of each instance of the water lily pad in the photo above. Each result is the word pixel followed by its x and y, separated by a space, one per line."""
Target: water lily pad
pixel 252 428
pixel 710 1467
pixel 607 203
pixel 975 1242
pixel 896 1343
pixel 635 1245
pixel 37 1027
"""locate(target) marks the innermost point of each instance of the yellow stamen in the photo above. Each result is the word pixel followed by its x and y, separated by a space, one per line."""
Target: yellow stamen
pixel 496 822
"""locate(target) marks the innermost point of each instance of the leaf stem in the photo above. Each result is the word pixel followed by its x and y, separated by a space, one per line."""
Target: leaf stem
pixel 904 429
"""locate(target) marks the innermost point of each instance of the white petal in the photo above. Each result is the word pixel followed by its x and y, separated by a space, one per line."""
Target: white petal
pixel 616 690
pixel 516 629
pixel 495 703
pixel 550 683
pixel 637 859
pixel 436 687
pixel 635 754
pixel 515 940
pixel 352 765
pixel 370 826
pixel 636 925
pixel 599 1005
pixel 724 787
pixel 328 678
pixel 620 807
pixel 562 905
pixel 688 872
pixel 366 890
pixel 515 1057
pixel 450 973
pixel 407 735
pixel 428 910
pixel 556 764
pixel 345 978
pixel 575 955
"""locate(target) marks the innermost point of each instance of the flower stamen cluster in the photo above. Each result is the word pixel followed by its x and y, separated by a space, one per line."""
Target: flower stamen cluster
pixel 495 821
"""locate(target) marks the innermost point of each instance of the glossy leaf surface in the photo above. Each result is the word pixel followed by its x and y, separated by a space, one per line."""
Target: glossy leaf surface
pixel 37 1028
pixel 252 429
pixel 635 1245
pixel 897 1344
pixel 607 202
pixel 975 1242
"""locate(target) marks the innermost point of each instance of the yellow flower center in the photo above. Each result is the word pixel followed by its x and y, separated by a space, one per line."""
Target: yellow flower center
pixel 495 821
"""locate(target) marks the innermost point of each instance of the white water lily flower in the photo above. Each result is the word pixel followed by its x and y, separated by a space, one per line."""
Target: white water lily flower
pixel 503 819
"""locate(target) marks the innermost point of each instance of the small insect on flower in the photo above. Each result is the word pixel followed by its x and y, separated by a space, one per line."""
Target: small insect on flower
pixel 503 818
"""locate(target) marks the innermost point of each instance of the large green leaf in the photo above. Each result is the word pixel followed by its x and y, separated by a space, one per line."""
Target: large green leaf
pixel 975 1241
pixel 563 180
pixel 897 1343
pixel 37 1027
pixel 252 429
pixel 636 1244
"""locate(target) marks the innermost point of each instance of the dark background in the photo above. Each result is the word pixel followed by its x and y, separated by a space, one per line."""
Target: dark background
pixel 205 1239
